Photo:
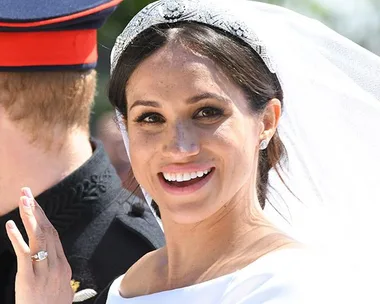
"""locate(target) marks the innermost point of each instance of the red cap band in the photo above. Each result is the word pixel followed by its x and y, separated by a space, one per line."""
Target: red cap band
pixel 52 48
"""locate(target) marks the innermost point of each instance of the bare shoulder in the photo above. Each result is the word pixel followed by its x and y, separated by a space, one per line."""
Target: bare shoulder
pixel 141 278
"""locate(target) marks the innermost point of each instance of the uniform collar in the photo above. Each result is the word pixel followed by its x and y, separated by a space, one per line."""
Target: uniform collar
pixel 75 196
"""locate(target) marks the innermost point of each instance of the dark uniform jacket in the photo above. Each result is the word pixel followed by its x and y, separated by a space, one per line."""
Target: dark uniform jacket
pixel 103 228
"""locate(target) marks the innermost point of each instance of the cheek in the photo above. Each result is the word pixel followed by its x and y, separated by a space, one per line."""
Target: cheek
pixel 142 148
pixel 236 141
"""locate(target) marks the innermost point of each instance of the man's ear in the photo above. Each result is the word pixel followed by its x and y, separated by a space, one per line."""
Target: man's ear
pixel 270 119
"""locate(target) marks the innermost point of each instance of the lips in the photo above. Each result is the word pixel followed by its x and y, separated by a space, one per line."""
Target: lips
pixel 185 182
pixel 185 176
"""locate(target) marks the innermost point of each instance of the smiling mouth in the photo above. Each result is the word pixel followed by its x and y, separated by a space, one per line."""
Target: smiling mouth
pixel 183 180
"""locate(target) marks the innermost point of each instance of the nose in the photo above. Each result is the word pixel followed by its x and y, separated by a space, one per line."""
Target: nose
pixel 182 141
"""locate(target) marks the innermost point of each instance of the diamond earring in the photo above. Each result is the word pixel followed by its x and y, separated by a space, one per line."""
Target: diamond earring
pixel 263 144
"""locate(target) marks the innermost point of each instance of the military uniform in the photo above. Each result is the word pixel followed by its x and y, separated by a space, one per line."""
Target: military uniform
pixel 104 229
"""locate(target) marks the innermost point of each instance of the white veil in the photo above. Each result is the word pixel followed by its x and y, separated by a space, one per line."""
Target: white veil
pixel 330 125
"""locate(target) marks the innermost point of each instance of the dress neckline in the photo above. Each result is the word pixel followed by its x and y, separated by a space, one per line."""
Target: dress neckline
pixel 115 287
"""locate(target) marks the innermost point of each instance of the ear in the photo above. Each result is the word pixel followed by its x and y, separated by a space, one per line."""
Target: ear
pixel 270 119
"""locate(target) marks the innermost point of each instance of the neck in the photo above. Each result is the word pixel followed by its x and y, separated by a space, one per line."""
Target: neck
pixel 233 238
pixel 25 163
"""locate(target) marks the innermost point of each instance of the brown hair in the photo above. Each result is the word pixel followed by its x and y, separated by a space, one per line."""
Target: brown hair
pixel 38 101
pixel 237 60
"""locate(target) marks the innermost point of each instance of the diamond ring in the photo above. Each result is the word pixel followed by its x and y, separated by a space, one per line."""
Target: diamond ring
pixel 39 256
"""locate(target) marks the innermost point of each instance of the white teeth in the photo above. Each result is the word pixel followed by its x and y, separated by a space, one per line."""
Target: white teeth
pixel 179 177
pixel 182 177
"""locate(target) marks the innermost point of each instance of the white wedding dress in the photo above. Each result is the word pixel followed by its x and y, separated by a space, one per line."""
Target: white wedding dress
pixel 287 276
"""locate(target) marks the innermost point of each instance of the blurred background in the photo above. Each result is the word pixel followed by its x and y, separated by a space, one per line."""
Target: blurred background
pixel 358 20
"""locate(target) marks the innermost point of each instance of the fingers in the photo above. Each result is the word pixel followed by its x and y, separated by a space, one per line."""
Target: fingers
pixel 53 242
pixel 50 232
pixel 37 237
pixel 44 281
pixel 24 265
pixel 56 260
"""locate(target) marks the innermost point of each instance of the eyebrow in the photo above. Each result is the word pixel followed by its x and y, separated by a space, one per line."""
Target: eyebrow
pixel 191 100
pixel 207 95
pixel 146 103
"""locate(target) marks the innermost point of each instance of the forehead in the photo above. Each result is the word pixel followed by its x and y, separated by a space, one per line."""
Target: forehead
pixel 174 68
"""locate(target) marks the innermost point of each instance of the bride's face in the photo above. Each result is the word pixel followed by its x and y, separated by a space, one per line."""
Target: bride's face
pixel 193 139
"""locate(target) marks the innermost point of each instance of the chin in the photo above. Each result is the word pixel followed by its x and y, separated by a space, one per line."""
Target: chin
pixel 191 212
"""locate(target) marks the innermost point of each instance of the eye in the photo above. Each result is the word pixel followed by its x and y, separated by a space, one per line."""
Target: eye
pixel 208 112
pixel 150 118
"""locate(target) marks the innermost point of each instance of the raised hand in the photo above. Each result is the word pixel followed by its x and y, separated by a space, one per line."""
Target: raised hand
pixel 43 273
